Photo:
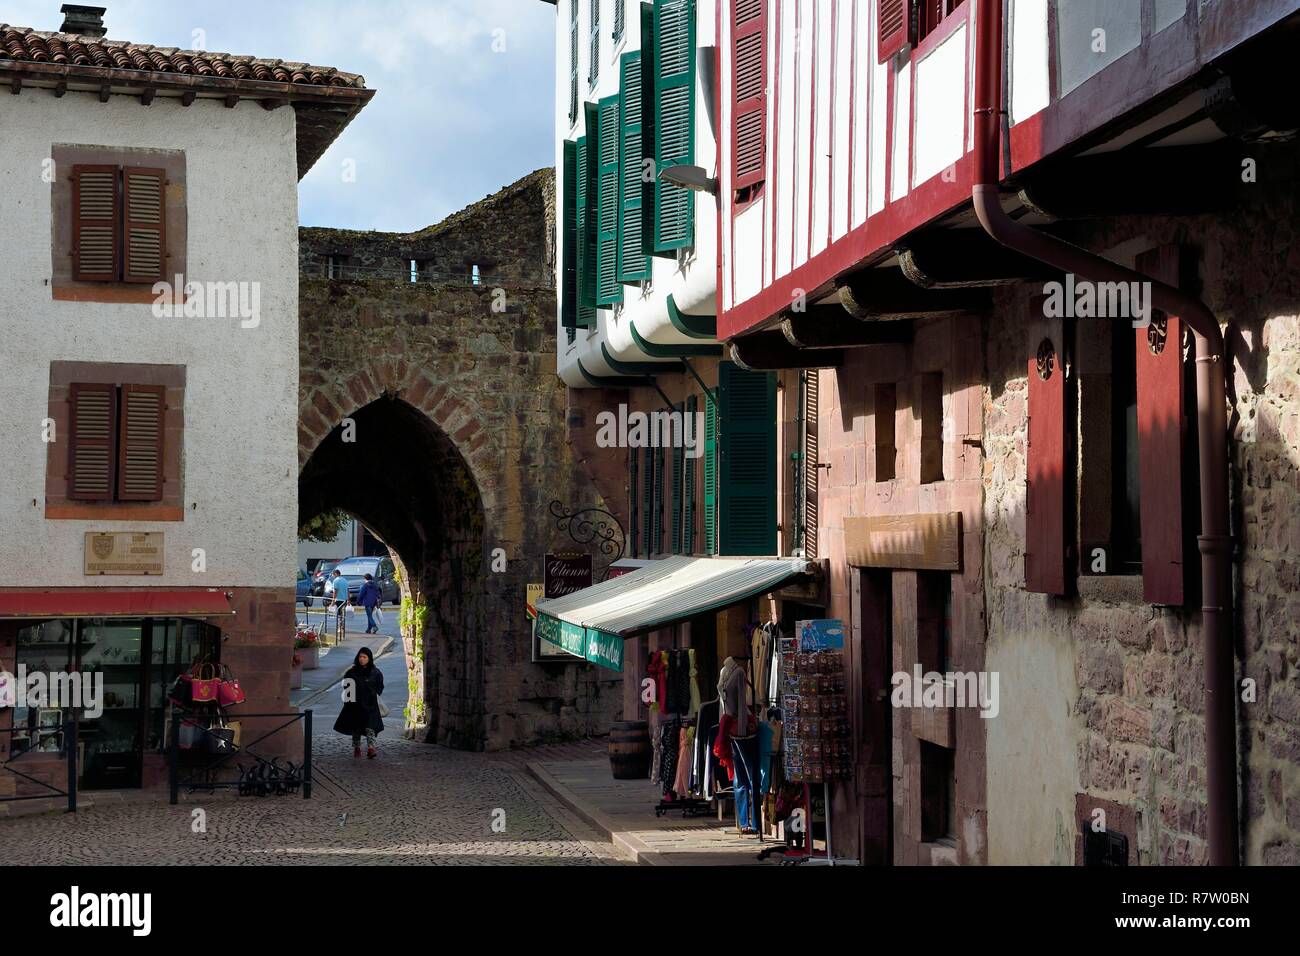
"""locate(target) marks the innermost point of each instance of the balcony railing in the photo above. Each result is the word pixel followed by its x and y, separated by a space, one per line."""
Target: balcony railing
pixel 318 269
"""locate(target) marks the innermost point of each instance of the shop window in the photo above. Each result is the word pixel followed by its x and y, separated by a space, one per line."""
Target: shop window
pixel 334 266
pixel 938 793
pixel 934 621
pixel 138 660
pixel 886 407
pixel 931 402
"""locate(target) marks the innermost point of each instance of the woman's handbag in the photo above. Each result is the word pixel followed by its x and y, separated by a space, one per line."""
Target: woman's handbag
pixel 182 690
pixel 191 731
pixel 383 708
pixel 221 739
pixel 228 691
pixel 204 688
pixel 379 615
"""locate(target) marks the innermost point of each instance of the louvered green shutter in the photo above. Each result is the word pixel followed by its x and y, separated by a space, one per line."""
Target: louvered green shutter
pixel 573 61
pixel 569 293
pixel 648 100
pixel 633 264
pixel 688 493
pixel 710 475
pixel 746 461
pixel 587 163
pixel 608 291
pixel 657 531
pixel 679 459
pixel 633 489
pixel 593 72
pixel 674 120
pixel 647 503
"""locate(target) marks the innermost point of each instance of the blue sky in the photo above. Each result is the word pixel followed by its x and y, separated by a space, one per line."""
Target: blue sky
pixel 452 121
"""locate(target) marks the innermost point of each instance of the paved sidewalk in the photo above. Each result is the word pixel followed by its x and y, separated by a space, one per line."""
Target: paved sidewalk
pixel 623 812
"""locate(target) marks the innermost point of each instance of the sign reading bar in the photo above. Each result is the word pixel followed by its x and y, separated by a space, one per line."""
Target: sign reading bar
pixel 124 552
pixel 916 542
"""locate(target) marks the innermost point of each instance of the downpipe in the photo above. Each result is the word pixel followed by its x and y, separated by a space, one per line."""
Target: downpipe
pixel 1215 541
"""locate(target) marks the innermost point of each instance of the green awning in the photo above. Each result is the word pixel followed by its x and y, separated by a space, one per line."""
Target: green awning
pixel 592 623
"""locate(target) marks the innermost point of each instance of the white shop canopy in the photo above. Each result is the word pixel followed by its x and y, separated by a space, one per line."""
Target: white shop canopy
pixel 593 622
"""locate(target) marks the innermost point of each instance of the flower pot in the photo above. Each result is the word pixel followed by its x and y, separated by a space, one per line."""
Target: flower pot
pixel 310 657
pixel 295 678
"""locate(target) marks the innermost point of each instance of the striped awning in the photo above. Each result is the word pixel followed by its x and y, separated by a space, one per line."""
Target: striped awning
pixel 593 622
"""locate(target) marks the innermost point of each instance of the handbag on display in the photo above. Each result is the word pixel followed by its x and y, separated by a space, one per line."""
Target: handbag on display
pixel 228 690
pixel 204 688
pixel 191 733
pixel 221 739
pixel 182 690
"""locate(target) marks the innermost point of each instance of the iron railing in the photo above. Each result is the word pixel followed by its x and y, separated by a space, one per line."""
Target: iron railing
pixel 206 774
pixel 68 750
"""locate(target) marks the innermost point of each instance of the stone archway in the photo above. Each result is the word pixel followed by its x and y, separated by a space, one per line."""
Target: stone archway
pixel 393 468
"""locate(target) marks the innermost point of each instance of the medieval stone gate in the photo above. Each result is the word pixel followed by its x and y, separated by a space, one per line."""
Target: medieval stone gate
pixel 435 353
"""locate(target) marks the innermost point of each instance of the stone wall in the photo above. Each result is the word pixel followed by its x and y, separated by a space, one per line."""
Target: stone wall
pixel 1113 686
pixel 510 236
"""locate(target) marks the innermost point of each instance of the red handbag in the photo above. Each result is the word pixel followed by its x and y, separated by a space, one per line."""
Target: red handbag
pixel 229 692
pixel 205 688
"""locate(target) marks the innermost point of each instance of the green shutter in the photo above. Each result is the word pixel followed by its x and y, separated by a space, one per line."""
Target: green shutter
pixel 573 61
pixel 608 291
pixel 588 147
pixel 688 493
pixel 679 459
pixel 593 71
pixel 648 129
pixel 632 489
pixel 657 532
pixel 746 461
pixel 633 264
pixel 569 293
pixel 674 54
pixel 647 503
pixel 710 475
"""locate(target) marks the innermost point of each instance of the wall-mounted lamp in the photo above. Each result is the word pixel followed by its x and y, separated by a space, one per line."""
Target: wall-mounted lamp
pixel 695 178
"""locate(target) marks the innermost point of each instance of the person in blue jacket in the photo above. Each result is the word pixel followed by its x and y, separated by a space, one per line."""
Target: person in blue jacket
pixel 369 599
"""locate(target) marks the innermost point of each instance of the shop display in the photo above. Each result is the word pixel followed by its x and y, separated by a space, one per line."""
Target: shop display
pixel 818 741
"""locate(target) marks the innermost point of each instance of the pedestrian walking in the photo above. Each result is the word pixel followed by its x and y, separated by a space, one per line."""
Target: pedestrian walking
pixel 362 715
pixel 339 586
pixel 369 599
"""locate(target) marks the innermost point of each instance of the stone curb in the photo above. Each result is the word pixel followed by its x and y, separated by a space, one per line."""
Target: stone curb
pixel 636 850
pixel 380 650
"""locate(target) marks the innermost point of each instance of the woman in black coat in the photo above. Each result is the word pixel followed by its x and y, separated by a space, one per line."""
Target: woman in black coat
pixel 360 714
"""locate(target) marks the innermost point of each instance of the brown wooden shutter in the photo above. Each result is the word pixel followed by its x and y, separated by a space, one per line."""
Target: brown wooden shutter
pixel 748 90
pixel 143 204
pixel 1046 470
pixel 892 20
pixel 96 224
pixel 1162 436
pixel 93 427
pixel 140 448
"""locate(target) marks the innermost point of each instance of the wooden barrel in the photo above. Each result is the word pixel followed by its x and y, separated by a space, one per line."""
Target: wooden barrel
pixel 629 750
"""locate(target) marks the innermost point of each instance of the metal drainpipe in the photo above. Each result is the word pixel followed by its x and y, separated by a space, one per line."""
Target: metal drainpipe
pixel 1215 541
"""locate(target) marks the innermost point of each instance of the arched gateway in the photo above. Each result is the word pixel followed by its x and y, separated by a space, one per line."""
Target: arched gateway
pixel 448 393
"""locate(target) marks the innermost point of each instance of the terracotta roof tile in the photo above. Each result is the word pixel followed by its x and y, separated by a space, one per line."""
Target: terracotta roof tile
pixel 25 45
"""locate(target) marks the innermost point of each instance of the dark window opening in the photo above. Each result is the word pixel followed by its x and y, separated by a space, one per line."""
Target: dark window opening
pixel 930 13
pixel 931 399
pixel 886 450
pixel 934 621
pixel 938 793
pixel 1126 510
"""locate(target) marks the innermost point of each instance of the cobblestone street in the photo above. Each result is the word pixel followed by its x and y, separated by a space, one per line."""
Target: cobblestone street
pixel 416 804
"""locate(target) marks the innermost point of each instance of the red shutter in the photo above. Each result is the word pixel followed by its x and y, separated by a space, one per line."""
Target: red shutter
pixel 140 450
pixel 93 427
pixel 1046 479
pixel 748 91
pixel 1161 441
pixel 143 203
pixel 892 26
pixel 96 225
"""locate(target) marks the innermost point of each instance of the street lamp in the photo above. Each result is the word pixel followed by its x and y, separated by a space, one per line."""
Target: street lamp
pixel 695 178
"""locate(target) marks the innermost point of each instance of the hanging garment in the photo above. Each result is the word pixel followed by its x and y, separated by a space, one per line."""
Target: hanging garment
pixel 732 691
pixel 745 758
pixel 671 738
pixel 774 667
pixel 682 782
pixel 768 738
pixel 679 681
pixel 695 684
pixel 656 670
pixel 656 746
pixel 760 656
pixel 706 722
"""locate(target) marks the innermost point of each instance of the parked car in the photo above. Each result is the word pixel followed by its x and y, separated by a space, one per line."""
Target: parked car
pixel 323 569
pixel 381 569
pixel 304 589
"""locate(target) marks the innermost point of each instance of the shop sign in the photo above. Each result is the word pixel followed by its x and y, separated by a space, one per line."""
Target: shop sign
pixel 566 573
pixel 124 552
pixel 604 649
pixel 585 642
pixel 922 542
